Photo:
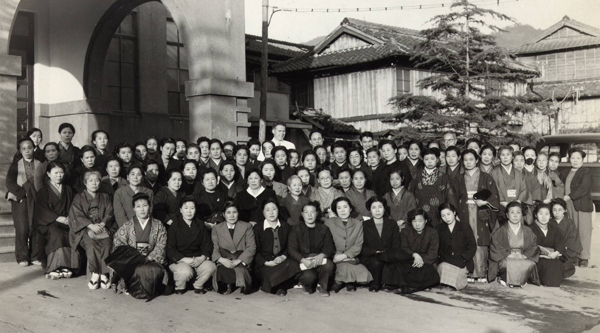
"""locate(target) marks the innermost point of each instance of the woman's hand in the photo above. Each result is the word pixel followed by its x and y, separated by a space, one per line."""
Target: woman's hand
pixel 401 224
pixel 271 263
pixel 567 198
pixel 547 201
pixel 226 262
pixel 554 255
pixel 199 260
pixel 480 203
pixel 95 228
pixel 187 260
pixel 308 263
pixel 280 259
pixel 418 262
pixel 504 203
pixel 236 262
pixel 62 219
pixel 339 257
pixel 319 259
pixel 169 222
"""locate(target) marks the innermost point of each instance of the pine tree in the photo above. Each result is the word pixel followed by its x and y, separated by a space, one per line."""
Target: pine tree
pixel 470 77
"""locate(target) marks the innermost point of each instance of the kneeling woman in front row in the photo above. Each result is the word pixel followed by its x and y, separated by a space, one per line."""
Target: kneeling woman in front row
pixel 273 265
pixel 514 251
pixel 421 242
pixel 233 251
pixel 189 247
pixel 348 238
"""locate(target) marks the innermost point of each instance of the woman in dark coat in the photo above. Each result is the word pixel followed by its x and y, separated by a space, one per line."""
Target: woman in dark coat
pixel 190 184
pixel 569 232
pixel 578 186
pixel 113 180
pixel 421 243
pixel 211 200
pixel 93 225
pixel 51 220
pixel 250 201
pixel 166 202
pixel 457 248
pixel 87 155
pixel 550 267
pixel 476 212
pixel 273 265
pixel 311 245
pixel 230 183
pixel 69 154
pixel 381 240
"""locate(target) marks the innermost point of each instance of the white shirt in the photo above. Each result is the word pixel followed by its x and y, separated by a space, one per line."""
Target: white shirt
pixel 288 145
pixel 267 225
pixel 261 190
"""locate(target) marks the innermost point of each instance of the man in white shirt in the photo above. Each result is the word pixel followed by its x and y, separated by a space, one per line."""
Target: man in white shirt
pixel 279 130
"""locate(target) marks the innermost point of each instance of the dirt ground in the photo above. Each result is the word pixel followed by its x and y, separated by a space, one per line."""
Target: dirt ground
pixel 30 303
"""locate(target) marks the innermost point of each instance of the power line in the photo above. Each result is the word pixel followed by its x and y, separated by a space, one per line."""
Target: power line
pixel 389 8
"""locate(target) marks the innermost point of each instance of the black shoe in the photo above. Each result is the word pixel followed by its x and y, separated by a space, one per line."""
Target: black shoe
pixel 322 291
pixel 180 291
pixel 209 288
pixel 307 290
pixel 351 287
pixel 245 290
pixel 281 292
pixel 200 291
pixel 229 289
pixel 373 289
pixel 583 263
pixel 337 287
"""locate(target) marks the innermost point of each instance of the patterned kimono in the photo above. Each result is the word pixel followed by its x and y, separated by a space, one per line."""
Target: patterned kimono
pixel 522 244
pixel 400 204
pixel 325 197
pixel 431 190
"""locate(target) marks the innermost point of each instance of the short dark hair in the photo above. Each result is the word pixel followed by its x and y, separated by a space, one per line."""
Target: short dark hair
pixel 454 149
pixel 66 125
pixel 140 196
pixel 366 135
pixel 207 171
pixel 96 132
pixel 134 166
pixel 309 152
pixel 256 171
pixel 188 161
pixel 181 140
pixel 413 213
pixel 373 150
pixel 317 206
pixel 280 148
pixel 25 139
pixel 229 143
pixel 375 199
pixel 418 144
pixel 400 173
pixel 186 199
pixel 430 151
pixel 232 163
pixel 526 148
pixel 268 201
pixel 85 149
pixel 313 132
pixel 33 130
pixel 203 139
pixel 149 162
pixel 52 144
pixel 488 147
pixel 503 148
pixel 241 147
pixel 446 205
pixel 113 158
pixel 471 140
pixel 217 141
pixel 229 204
pixel 279 123
pixel 55 164
pixel 253 142
pixel 123 145
pixel 469 151
pixel 555 154
pixel 164 141
pixel 339 144
pixel 559 201
pixel 267 161
pixel 515 204
pixel 577 150
pixel 338 200
pixel 542 206
pixel 171 171
pixel 388 142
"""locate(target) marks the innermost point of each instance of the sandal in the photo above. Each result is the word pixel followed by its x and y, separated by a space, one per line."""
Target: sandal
pixel 54 275
pixel 66 273
pixel 104 282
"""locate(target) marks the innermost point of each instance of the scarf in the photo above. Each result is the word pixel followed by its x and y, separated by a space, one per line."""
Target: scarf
pixel 429 178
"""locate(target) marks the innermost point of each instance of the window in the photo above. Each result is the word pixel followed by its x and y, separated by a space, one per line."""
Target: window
pixel 121 67
pixel 403 81
pixel 177 71
pixel 569 65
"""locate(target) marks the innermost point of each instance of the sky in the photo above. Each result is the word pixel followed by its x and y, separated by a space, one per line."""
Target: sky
pixel 302 27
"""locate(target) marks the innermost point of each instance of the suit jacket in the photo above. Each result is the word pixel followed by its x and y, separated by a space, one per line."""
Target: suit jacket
pixel 188 241
pixel 457 247
pixel 123 204
pixel 155 188
pixel 106 187
pixel 166 205
pixel 208 211
pixel 380 179
pixel 347 239
pixel 389 239
pixel 158 239
pixel 299 241
pixel 264 242
pixel 162 169
pixel 425 244
pixel 581 187
pixel 243 240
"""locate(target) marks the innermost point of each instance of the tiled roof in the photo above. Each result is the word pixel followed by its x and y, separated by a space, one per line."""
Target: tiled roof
pixel 588 88
pixel 590 36
pixel 276 47
pixel 396 41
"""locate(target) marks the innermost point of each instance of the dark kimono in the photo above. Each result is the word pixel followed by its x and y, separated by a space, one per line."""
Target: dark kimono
pixel 291 209
pixel 166 205
pixel 210 205
pixel 276 276
pixel 86 210
pixel 110 189
pixel 504 243
pixel 49 205
pixel 415 169
pixel 430 195
pixel 301 245
pixel 69 157
pixel 402 273
pixel 456 252
pixel 400 204
pixel 249 206
pixel 572 244
pixel 453 174
pixel 380 180
pixel 359 200
pixel 282 175
pixel 550 271
pixel 156 186
pixel 162 169
pixel 191 188
pixel 231 189
pixel 379 248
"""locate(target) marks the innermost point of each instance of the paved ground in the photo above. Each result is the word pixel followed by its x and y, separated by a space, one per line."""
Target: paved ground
pixel 71 307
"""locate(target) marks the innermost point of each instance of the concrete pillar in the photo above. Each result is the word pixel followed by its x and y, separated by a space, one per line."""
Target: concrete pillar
pixel 213 33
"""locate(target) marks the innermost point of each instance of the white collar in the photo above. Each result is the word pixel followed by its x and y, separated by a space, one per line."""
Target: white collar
pixel 429 171
pixel 558 221
pixel 396 191
pixel 229 227
pixel 144 222
pixel 261 190
pixel 230 184
pixel 453 167
pixel 508 168
pixel 515 230
pixel 266 225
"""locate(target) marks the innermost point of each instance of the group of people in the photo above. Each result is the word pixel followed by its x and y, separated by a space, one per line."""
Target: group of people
pixel 169 215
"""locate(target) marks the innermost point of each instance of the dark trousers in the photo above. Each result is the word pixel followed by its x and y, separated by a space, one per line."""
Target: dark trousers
pixel 375 267
pixel 28 242
pixel 321 274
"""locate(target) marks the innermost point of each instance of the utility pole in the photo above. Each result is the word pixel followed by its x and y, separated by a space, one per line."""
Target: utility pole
pixel 262 124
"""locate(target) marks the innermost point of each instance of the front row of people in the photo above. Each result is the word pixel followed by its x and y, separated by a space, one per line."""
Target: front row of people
pixel 342 251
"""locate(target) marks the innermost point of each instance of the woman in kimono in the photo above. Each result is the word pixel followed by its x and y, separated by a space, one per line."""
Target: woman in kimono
pixel 356 161
pixel 359 194
pixel 513 251
pixel 310 161
pixel 276 270
pixel 476 211
pixel 488 154
pixel 233 251
pixel 113 180
pixel 267 168
pixel 457 249
pixel 92 224
pixel 578 186
pixel 413 162
pixel 51 152
pixel 69 154
pixel 21 194
pixel 190 184
pixel 250 201
pixel 453 163
pixel 211 199
pixel 381 241
pixel 509 181
pixel 419 246
pixel 550 267
pixel 165 204
pixel 305 177
pixel 552 186
pixel 431 187
pixel 291 205
pixel 87 155
pixel 325 194
pixel 36 136
pixel 283 170
pixel 229 182
pixel 51 220
pixel 348 238
pixel 570 235
pixel 399 200
pixel 149 237
pixel 122 201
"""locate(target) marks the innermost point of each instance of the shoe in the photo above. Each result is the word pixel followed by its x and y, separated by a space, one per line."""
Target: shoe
pixel 351 287
pixel 322 291
pixel 470 280
pixel 583 263
pixel 482 280
pixel 337 287
pixel 94 282
pixel 23 263
pixel 105 282
pixel 36 263
pixel 200 291
pixel 180 291
pixel 66 273
pixel 307 290
pixel 229 289
pixel 501 282
pixel 54 275
pixel 373 289
pixel 281 292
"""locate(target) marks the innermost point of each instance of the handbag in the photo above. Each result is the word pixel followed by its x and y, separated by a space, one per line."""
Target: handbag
pixel 103 235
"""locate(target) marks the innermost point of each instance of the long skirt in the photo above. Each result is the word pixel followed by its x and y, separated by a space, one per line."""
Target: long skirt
pixel 349 273
pixel 239 276
pixel 403 274
pixel 583 224
pixel 516 272
pixel 58 246
pixel 96 251
pixel 60 258
pixel 453 276
pixel 481 262
pixel 273 276
pixel 551 272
